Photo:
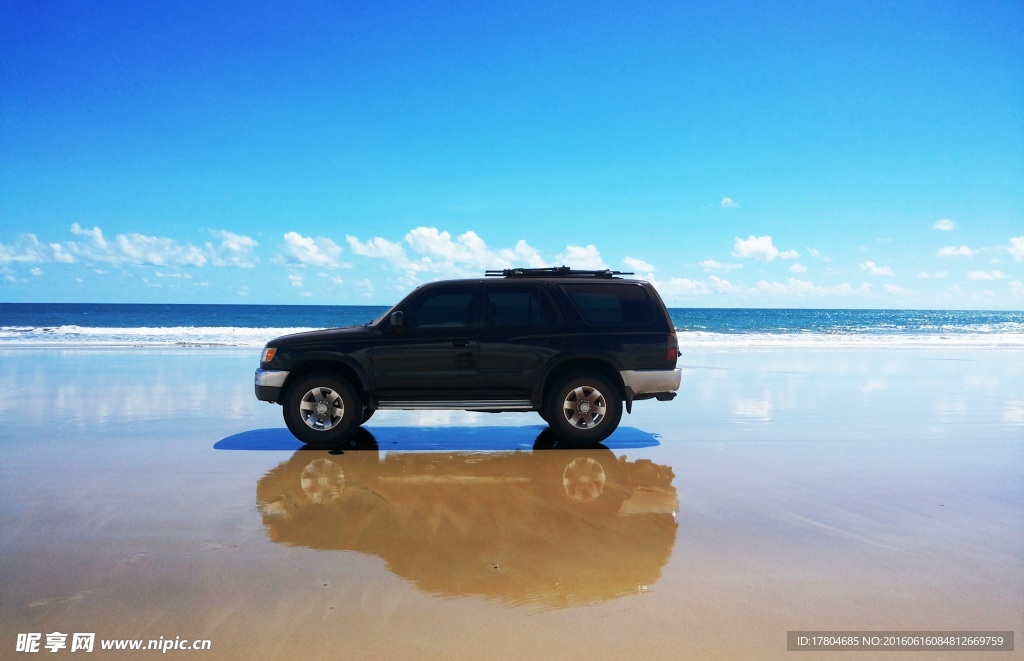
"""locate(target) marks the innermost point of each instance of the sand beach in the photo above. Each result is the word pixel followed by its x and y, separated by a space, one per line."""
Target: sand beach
pixel 147 495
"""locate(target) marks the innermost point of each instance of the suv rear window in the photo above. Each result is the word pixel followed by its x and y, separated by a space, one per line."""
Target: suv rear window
pixel 611 304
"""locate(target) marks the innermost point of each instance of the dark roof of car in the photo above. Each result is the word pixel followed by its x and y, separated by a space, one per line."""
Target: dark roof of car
pixel 558 274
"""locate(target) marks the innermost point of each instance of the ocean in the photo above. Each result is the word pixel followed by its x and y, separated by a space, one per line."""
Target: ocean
pixel 70 325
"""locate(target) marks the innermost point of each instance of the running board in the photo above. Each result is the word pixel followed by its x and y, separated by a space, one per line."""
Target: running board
pixel 459 405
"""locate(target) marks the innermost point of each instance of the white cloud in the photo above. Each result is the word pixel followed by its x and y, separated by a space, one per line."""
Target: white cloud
pixel 440 254
pixel 394 253
pixel 953 251
pixel 365 286
pixel 944 225
pixel 938 275
pixel 157 251
pixel 60 256
pixel 26 249
pixel 1016 248
pixel 709 265
pixel 295 279
pixel 469 251
pixel 791 288
pixel 581 257
pixel 986 275
pixel 333 278
pixel 234 249
pixel 522 253
pixel 896 290
pixel 875 269
pixel 638 265
pixel 319 251
pixel 375 247
pixel 674 287
pixel 721 286
pixel 134 249
pixel 36 271
pixel 802 288
pixel 798 268
pixel 96 234
pixel 816 254
pixel 729 203
pixel 680 287
pixel 760 247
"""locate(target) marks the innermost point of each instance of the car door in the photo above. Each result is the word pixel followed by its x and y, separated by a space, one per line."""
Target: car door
pixel 521 334
pixel 433 354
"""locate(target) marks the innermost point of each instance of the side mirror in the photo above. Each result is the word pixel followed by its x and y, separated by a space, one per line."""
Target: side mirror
pixel 397 322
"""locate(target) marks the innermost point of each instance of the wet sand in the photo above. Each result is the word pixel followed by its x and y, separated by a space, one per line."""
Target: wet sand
pixel 147 494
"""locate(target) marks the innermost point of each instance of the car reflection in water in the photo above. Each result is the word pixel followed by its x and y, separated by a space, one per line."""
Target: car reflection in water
pixel 544 529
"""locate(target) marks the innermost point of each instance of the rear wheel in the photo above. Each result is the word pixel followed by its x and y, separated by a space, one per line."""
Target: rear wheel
pixel 584 408
pixel 322 409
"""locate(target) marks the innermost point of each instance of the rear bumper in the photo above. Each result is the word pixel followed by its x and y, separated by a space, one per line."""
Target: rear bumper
pixel 269 384
pixel 648 384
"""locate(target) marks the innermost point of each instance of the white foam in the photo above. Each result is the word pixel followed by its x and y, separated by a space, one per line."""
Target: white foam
pixel 218 336
pixel 704 340
pixel 174 336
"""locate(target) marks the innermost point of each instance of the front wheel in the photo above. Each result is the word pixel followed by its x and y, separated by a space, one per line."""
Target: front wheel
pixel 584 409
pixel 322 409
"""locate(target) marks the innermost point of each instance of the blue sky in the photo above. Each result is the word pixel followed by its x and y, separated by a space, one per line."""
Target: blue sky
pixel 749 154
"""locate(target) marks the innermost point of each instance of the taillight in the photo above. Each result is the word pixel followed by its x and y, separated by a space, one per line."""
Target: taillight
pixel 673 347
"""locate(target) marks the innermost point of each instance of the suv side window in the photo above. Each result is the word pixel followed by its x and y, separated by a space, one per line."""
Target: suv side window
pixel 602 304
pixel 442 309
pixel 519 307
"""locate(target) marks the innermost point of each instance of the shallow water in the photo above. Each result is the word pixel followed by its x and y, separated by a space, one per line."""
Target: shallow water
pixel 147 494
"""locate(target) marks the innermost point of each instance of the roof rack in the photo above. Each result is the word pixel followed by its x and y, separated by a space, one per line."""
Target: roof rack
pixel 555 272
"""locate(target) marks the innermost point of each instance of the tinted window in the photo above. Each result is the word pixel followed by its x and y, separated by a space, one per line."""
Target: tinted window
pixel 518 308
pixel 611 304
pixel 448 309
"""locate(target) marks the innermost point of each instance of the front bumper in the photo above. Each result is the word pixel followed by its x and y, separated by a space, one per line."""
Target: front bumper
pixel 269 384
pixel 651 384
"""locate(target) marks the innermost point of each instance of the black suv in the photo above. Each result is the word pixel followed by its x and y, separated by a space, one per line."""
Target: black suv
pixel 575 346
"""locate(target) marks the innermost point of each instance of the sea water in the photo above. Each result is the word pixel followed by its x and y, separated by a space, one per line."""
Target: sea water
pixel 176 325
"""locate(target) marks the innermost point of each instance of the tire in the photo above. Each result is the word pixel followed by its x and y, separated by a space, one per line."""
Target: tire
pixel 322 409
pixel 584 408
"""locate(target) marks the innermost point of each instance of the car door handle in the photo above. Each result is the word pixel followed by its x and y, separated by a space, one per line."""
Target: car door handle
pixel 460 343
